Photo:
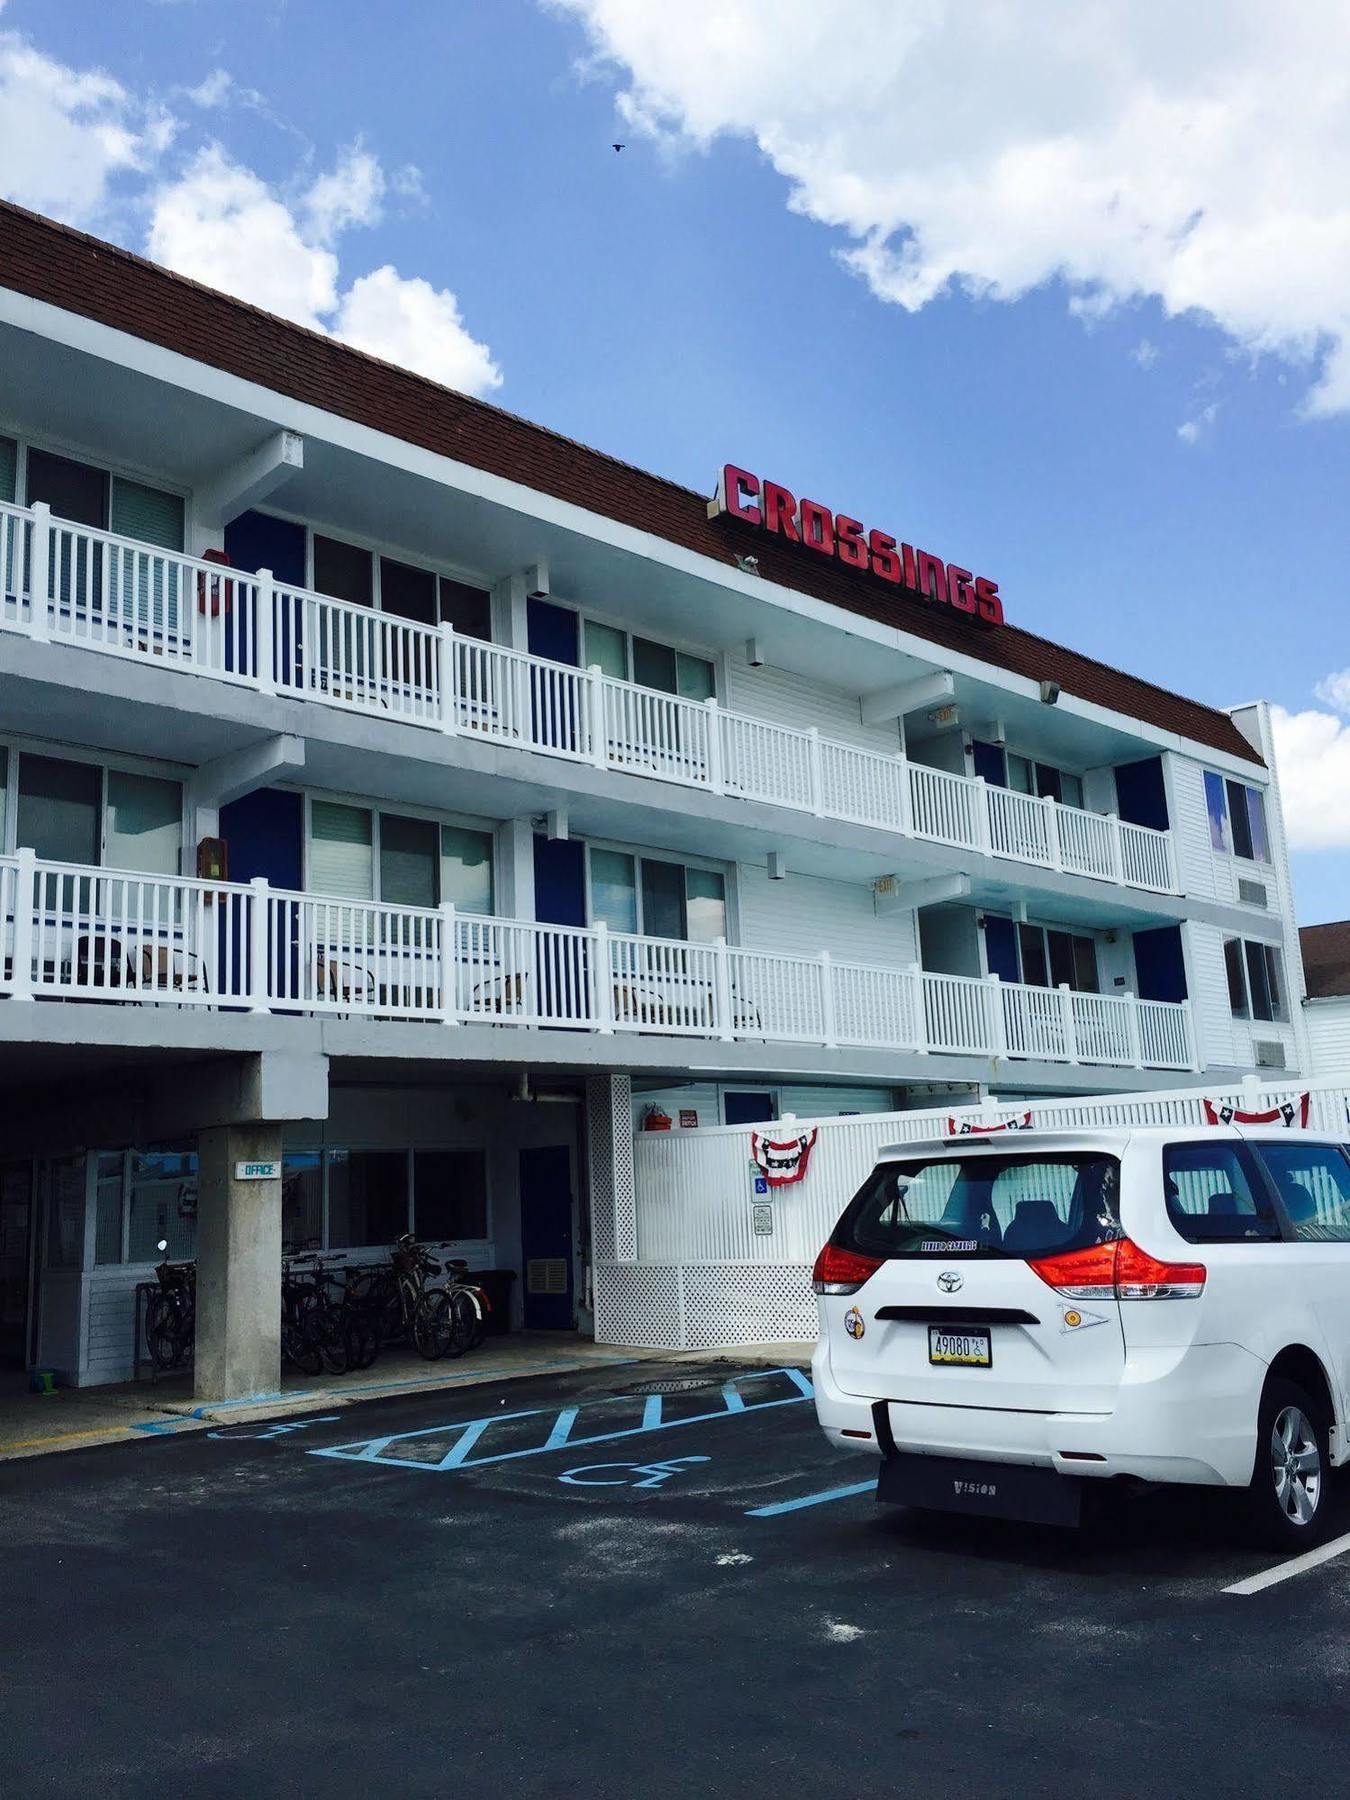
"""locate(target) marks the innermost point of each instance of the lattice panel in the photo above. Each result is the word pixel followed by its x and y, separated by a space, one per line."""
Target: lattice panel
pixel 638 1304
pixel 600 1160
pixel 621 1162
pixel 747 1303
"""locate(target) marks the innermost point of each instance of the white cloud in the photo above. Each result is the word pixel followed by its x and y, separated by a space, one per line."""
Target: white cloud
pixel 1191 430
pixel 212 91
pixel 1312 750
pixel 1145 354
pixel 1199 155
pixel 351 194
pixel 66 134
pixel 1335 690
pixel 407 321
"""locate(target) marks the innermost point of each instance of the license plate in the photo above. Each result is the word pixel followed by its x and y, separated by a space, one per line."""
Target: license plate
pixel 963 1349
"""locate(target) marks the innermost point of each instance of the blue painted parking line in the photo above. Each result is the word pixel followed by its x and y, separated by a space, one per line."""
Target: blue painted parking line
pixel 787 1506
pixel 560 1432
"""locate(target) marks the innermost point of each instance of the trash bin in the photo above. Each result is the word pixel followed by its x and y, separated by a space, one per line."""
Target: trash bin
pixel 496 1284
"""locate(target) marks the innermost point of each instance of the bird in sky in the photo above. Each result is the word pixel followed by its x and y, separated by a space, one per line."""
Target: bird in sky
pixel 618 146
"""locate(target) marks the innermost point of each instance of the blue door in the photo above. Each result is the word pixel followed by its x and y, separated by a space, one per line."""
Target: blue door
pixel 1159 965
pixel 561 964
pixel 553 632
pixel 265 834
pixel 1141 794
pixel 1000 948
pixel 256 541
pixel 546 1237
pixel 989 763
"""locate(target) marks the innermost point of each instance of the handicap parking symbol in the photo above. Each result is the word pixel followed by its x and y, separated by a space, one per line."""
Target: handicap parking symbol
pixel 761 1185
pixel 654 1474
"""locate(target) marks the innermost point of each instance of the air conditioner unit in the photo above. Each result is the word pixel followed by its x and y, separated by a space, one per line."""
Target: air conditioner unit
pixel 1252 893
pixel 1269 1055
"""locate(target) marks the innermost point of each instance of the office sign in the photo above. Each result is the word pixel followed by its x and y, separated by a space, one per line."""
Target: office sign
pixel 768 506
pixel 257 1171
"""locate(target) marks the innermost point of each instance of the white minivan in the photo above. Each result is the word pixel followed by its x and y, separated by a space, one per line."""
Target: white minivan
pixel 1005 1317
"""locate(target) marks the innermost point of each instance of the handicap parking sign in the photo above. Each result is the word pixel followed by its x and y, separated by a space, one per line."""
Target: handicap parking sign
pixel 761 1185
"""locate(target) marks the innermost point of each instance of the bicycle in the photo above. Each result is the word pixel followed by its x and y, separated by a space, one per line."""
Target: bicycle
pixel 460 1310
pixel 171 1313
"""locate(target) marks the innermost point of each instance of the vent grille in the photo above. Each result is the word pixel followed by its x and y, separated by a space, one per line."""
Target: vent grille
pixel 1269 1055
pixel 1252 893
pixel 546 1275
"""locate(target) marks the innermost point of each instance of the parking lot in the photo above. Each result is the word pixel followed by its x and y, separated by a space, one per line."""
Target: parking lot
pixel 647 1577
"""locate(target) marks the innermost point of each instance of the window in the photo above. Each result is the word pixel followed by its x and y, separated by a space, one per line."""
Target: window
pixel 143 824
pixel 1040 956
pixel 147 514
pixel 658 899
pixel 646 662
pixel 1314 1186
pixel 342 570
pixel 73 490
pixel 1003 768
pixel 65 1213
pixel 9 465
pixel 450 1195
pixel 466 868
pixel 58 813
pixel 367 1197
pixel 1237 819
pixel 409 861
pixel 161 1203
pixel 991 1205
pixel 409 592
pixel 341 853
pixel 1211 1199
pixel 468 609
pixel 109 1181
pixel 1255 980
pixel 302 1199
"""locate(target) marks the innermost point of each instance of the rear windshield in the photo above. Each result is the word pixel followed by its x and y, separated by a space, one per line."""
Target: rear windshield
pixel 984 1205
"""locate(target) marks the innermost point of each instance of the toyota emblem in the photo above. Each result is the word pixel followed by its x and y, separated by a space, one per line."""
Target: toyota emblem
pixel 949 1281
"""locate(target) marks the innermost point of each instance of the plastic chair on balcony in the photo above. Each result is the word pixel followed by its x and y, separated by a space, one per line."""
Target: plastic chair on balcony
pixel 338 978
pixel 170 969
pixel 101 961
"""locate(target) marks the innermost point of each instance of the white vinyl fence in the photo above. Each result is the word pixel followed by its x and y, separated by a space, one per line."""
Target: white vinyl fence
pixel 703 1277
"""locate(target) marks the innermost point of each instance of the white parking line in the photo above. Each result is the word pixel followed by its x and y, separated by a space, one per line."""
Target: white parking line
pixel 1295 1566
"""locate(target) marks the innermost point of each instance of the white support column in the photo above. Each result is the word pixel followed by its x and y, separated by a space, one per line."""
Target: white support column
pixel 915 973
pixel 1052 833
pixel 906 798
pixel 595 706
pixel 998 1024
pixel 1070 1028
pixel 449 680
pixel 449 964
pixel 265 632
pixel 984 835
pixel 259 1000
pixel 1117 848
pixel 609 1131
pixel 816 772
pixel 724 1023
pixel 238 1342
pixel 39 571
pixel 827 1000
pixel 602 979
pixel 25 911
pixel 517 869
pixel 716 776
pixel 1132 1027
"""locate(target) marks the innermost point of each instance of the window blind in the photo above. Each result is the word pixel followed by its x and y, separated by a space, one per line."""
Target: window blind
pixel 341 860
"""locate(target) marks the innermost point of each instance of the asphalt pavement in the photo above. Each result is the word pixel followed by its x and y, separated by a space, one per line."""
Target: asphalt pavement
pixel 645 1580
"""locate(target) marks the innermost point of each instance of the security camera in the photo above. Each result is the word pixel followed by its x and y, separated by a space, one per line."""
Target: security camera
pixel 1049 692
pixel 748 565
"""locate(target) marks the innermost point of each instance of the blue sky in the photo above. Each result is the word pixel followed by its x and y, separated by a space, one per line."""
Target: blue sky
pixel 1163 489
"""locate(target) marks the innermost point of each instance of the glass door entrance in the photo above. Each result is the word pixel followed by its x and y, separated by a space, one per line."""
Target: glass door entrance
pixel 16 1210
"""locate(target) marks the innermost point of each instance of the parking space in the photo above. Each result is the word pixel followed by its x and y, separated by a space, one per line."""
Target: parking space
pixel 556 1583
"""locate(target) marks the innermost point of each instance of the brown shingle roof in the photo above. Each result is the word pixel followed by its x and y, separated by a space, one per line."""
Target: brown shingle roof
pixel 100 281
pixel 1326 958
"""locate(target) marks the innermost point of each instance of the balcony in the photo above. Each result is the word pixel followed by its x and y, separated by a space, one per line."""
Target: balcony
pixel 77 933
pixel 127 599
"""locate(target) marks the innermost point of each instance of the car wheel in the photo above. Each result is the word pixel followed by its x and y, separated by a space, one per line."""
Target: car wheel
pixel 1288 1503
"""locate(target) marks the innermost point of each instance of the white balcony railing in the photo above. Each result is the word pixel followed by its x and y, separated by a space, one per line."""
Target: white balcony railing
pixel 77 933
pixel 129 599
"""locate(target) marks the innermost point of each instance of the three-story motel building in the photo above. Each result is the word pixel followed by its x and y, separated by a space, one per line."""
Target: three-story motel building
pixel 400 794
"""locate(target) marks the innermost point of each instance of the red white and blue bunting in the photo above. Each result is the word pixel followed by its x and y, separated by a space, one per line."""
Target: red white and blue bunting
pixel 1292 1112
pixel 781 1162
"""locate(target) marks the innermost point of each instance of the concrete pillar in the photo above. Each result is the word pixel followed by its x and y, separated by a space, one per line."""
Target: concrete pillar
pixel 238 1347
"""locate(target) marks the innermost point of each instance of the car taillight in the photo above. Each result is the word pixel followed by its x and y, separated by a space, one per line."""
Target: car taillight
pixel 842 1271
pixel 1119 1271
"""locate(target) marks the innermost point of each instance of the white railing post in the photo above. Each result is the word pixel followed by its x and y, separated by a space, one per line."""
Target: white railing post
pixel 815 770
pixel 259 1000
pixel 724 1022
pixel 1070 1026
pixel 998 1024
pixel 602 979
pixel 39 571
pixel 827 1000
pixel 1117 847
pixel 1132 1027
pixel 915 973
pixel 265 632
pixel 449 964
pixel 25 911
pixel 449 680
pixel 906 798
pixel 1052 841
pixel 1192 1043
pixel 984 830
pixel 717 780
pixel 595 695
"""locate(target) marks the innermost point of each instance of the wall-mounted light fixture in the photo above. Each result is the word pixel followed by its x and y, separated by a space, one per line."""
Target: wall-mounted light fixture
pixel 1049 692
pixel 753 654
pixel 777 866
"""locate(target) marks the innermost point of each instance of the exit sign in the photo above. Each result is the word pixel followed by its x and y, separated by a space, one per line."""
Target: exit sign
pixel 257 1171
